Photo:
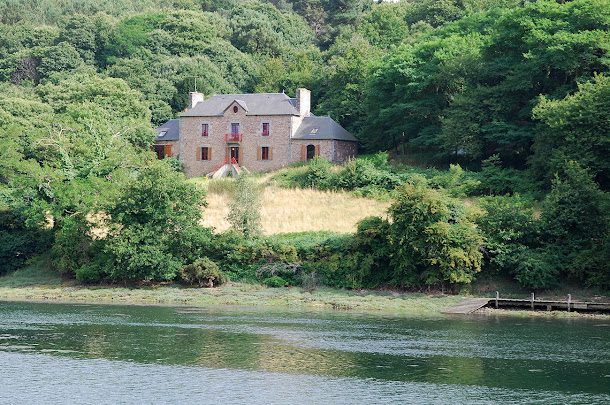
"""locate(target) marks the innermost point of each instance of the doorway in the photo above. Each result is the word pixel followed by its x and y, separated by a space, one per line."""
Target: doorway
pixel 311 152
pixel 234 154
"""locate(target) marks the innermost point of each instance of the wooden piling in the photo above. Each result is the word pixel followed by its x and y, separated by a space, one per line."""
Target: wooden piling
pixel 497 299
pixel 569 301
pixel 532 301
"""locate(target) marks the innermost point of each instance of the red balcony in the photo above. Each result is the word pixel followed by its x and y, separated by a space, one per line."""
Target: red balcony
pixel 232 137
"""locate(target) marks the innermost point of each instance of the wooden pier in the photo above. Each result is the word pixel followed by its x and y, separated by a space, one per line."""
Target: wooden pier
pixel 470 305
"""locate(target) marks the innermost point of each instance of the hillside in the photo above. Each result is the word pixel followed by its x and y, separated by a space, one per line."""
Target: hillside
pixel 502 102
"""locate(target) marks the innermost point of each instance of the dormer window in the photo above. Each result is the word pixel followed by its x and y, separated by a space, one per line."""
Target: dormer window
pixel 265 129
pixel 205 129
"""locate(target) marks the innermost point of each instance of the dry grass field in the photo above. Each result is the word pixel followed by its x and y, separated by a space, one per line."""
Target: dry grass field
pixel 293 210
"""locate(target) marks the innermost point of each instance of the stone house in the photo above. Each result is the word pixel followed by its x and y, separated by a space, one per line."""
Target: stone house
pixel 261 132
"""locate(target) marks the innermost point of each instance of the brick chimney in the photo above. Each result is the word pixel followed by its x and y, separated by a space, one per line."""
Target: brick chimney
pixel 194 98
pixel 304 102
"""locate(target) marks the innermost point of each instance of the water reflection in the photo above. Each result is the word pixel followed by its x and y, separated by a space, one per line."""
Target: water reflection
pixel 571 357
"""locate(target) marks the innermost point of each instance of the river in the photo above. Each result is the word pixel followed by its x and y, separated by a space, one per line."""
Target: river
pixel 56 353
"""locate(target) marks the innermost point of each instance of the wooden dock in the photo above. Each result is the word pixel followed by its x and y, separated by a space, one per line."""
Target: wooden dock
pixel 470 305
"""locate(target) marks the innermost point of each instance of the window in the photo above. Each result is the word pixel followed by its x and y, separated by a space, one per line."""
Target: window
pixel 235 109
pixel 205 153
pixel 265 155
pixel 234 128
pixel 205 129
pixel 162 134
pixel 265 129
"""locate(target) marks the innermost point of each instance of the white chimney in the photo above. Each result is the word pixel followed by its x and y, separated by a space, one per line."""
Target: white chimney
pixel 304 102
pixel 194 98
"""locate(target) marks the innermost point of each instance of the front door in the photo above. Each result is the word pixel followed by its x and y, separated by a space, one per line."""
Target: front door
pixel 234 153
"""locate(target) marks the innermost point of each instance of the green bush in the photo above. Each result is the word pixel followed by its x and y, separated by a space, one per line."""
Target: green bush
pixel 244 211
pixel 508 225
pixel 457 181
pixel 497 180
pixel 90 273
pixel 204 273
pixel 72 246
pixel 360 173
pixel 434 242
pixel 318 174
pixel 575 221
pixel 287 271
pixel 18 242
pixel 275 282
pixel 536 269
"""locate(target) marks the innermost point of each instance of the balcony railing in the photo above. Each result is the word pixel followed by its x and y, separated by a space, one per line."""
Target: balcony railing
pixel 232 137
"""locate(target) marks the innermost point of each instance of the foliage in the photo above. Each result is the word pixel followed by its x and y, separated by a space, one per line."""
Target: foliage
pixel 575 221
pixel 244 210
pixel 204 273
pixel 575 128
pixel 18 243
pixel 509 227
pixel 434 240
pixel 275 282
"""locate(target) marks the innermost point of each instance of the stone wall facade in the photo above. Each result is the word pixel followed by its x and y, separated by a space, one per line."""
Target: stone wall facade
pixel 283 150
pixel 249 147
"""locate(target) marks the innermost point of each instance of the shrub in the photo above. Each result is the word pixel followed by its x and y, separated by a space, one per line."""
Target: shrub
pixel 204 273
pixel 288 271
pixel 359 173
pixel 90 273
pixel 575 220
pixel 496 180
pixel 508 225
pixel 457 181
pixel 275 282
pixel 72 246
pixel 433 240
pixel 318 174
pixel 19 242
pixel 536 269
pixel 244 211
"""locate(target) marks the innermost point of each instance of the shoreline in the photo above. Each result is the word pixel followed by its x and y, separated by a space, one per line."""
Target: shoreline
pixel 241 295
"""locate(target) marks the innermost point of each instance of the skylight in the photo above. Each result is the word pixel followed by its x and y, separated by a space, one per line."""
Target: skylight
pixel 314 131
pixel 162 133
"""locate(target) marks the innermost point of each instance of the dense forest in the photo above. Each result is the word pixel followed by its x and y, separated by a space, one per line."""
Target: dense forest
pixel 515 91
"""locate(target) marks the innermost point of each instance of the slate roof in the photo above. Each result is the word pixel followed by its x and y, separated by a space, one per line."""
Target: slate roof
pixel 321 128
pixel 254 104
pixel 171 129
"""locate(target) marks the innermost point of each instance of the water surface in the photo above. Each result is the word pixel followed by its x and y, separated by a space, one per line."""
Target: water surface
pixel 51 353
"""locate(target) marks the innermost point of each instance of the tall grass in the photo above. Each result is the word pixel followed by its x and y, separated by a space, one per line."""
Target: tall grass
pixel 295 210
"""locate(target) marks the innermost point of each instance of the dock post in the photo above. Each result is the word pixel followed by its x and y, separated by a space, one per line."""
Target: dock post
pixel 497 299
pixel 532 301
pixel 569 301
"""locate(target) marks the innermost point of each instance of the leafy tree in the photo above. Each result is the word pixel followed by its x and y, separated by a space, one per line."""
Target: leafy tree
pixel 575 221
pixel 147 222
pixel 244 210
pixel 434 241
pixel 575 128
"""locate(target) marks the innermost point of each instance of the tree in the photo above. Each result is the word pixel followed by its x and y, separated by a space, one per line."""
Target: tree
pixel 244 210
pixel 433 239
pixel 575 221
pixel 151 217
pixel 576 127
